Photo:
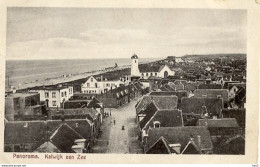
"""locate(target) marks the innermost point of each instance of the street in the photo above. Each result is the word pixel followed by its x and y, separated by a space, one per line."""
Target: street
pixel 115 138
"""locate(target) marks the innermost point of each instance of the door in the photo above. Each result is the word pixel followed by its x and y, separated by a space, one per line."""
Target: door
pixel 165 74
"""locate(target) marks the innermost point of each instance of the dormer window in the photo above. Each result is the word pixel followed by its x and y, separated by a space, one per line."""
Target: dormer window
pixel 91 79
pixel 156 124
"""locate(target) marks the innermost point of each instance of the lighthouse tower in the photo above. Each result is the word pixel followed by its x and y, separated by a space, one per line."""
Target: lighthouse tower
pixel 134 66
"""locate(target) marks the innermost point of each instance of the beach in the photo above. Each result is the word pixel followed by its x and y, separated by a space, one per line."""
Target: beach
pixel 25 74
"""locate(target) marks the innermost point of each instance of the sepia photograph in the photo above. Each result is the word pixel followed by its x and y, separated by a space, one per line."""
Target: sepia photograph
pixel 121 82
pixel 125 81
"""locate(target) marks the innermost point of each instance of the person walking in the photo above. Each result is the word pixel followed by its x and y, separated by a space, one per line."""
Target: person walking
pixel 114 121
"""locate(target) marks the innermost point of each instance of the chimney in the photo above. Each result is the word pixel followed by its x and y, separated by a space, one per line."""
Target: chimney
pixel 14 90
pixel 199 140
pixel 25 125
pixel 176 147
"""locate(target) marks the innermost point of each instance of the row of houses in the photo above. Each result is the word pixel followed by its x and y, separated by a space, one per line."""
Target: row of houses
pixel 71 129
pixel 173 122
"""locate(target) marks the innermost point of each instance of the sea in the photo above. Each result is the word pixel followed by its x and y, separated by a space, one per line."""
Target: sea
pixel 25 71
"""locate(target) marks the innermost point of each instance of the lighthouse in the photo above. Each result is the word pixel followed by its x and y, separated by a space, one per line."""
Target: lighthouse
pixel 134 66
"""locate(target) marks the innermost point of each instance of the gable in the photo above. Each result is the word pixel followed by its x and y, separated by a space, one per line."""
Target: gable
pixel 89 80
pixel 191 148
pixel 47 147
pixel 63 138
pixel 159 147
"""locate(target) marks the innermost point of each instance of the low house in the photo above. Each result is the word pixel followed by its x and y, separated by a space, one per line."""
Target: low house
pixel 178 140
pixel 210 86
pixel 213 93
pixel 180 94
pixel 92 115
pixel 195 108
pixel 46 136
pixel 153 116
pixel 163 102
pixel 23 104
pixel 54 95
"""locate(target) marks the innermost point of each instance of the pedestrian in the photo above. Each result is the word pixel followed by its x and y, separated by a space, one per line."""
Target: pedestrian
pixel 110 113
pixel 114 121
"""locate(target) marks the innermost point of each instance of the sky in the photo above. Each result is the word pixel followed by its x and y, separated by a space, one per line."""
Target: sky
pixel 95 33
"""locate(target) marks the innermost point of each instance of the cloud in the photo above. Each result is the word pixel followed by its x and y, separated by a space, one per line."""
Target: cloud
pixel 112 43
pixel 116 35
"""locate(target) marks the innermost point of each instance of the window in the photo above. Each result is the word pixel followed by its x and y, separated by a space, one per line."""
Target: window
pixel 155 74
pixel 65 94
pixel 96 85
pixel 91 79
pixel 70 90
pixel 53 94
pixel 46 94
pixel 62 94
pixel 151 74
pixel 88 85
pixel 108 85
pixel 156 124
pixel 54 103
pixel 147 74
pixel 142 74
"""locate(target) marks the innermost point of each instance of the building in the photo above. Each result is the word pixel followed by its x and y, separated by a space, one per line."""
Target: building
pixel 99 85
pixel 145 71
pixel 35 136
pixel 196 108
pixel 23 104
pixel 178 140
pixel 54 95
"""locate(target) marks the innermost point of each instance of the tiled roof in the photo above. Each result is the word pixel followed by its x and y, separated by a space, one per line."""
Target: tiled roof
pixel 180 94
pixel 216 123
pixel 63 138
pixel 178 82
pixel 210 86
pixel 212 93
pixel 200 136
pixel 162 102
pixel 176 87
pixel 213 106
pixel 35 131
pixel 191 86
pixel 167 118
pixel 143 68
pixel 149 111
pixel 75 104
pixel 238 114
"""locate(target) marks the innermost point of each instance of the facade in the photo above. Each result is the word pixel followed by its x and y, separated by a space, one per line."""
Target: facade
pixel 99 85
pixel 54 96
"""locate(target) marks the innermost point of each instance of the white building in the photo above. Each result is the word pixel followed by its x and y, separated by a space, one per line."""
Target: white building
pixel 54 95
pixel 145 71
pixel 99 85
